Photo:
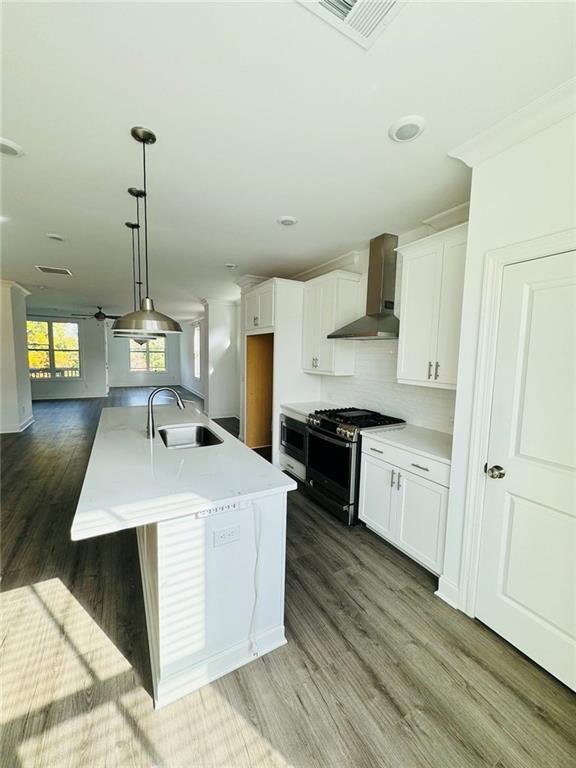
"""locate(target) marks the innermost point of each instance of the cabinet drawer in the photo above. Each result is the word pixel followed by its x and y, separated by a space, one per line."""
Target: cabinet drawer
pixel 436 471
pixel 295 468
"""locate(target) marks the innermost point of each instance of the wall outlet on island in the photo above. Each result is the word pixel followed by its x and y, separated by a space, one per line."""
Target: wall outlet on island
pixel 226 535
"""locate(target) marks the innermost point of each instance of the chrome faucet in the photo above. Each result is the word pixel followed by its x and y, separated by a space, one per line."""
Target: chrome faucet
pixel 150 429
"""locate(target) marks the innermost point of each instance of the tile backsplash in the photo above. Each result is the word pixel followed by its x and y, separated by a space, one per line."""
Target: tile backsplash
pixel 374 386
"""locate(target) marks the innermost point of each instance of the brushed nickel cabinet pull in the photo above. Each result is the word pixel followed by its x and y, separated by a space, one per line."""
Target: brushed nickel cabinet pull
pixel 436 369
pixel 429 369
pixel 392 479
pixel 398 481
pixel 376 450
pixel 419 466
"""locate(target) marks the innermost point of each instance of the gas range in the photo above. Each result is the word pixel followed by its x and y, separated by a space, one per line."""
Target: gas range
pixel 346 423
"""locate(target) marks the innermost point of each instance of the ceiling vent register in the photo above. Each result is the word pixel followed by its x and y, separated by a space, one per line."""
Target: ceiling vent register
pixel 54 270
pixel 360 20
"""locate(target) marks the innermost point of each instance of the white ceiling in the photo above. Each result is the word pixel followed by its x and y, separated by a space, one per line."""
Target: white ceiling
pixel 261 109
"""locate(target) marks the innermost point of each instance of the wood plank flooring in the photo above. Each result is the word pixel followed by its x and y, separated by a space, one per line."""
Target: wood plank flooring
pixel 377 671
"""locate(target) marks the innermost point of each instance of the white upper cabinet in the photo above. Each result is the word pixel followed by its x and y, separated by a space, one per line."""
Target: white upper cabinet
pixel 259 307
pixel 330 301
pixel 431 308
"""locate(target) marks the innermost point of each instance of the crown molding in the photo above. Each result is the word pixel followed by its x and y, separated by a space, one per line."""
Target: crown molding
pixel 12 284
pixel 226 302
pixel 536 116
pixel 247 282
pixel 348 262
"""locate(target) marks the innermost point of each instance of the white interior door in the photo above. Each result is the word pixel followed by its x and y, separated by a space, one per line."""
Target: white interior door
pixel 527 567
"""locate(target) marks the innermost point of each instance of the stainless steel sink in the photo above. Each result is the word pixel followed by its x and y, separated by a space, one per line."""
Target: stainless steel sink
pixel 188 436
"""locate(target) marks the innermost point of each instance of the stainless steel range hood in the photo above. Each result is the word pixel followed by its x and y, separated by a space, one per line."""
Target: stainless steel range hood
pixel 379 322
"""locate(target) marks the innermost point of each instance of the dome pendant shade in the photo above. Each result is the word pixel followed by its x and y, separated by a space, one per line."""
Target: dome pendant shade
pixel 147 321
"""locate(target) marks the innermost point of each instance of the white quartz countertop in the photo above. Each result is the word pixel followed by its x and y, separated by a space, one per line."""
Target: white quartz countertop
pixel 132 481
pixel 303 409
pixel 425 442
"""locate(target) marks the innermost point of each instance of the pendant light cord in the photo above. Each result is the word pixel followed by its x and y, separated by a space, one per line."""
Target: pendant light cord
pixel 134 267
pixel 145 217
pixel 139 259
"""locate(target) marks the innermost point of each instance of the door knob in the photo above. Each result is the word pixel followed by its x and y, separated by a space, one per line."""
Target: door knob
pixel 496 472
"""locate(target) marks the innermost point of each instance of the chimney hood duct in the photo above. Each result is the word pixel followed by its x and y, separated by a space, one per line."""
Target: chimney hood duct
pixel 379 322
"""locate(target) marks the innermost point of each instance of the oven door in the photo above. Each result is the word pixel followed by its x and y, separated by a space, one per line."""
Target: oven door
pixel 331 467
pixel 293 438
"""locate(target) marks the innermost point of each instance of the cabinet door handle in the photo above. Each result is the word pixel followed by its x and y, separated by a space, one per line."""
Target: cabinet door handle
pixel 376 450
pixel 392 478
pixel 290 466
pixel 436 369
pixel 398 481
pixel 429 370
pixel 419 466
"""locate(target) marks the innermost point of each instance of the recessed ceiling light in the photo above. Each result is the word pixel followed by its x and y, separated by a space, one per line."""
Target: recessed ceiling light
pixel 3 219
pixel 231 266
pixel 10 148
pixel 54 236
pixel 287 221
pixel 407 128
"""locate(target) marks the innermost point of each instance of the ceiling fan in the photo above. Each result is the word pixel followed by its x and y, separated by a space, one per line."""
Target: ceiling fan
pixel 98 315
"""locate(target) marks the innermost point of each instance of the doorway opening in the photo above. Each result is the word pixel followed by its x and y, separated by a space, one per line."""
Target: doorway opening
pixel 259 374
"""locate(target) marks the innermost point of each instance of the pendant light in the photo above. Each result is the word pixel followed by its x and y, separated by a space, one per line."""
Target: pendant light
pixel 138 336
pixel 146 319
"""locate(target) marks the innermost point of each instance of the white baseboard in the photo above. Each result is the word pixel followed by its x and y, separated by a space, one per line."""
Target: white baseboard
pixel 189 680
pixel 8 429
pixel 70 397
pixel 448 592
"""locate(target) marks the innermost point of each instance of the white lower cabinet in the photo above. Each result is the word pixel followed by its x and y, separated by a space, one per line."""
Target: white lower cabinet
pixel 406 509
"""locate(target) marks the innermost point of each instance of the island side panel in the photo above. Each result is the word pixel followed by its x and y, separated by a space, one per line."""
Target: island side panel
pixel 220 594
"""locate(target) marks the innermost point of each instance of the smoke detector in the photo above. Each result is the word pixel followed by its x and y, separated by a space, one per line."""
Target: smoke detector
pixel 407 128
pixel 287 221
pixel 10 148
pixel 54 236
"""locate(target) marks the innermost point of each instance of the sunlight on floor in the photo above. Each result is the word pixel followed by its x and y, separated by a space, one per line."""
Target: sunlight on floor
pixel 78 701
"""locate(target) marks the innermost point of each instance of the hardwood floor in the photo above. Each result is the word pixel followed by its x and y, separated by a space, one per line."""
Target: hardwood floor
pixel 377 671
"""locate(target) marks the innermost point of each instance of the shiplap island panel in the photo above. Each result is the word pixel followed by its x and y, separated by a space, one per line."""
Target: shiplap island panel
pixel 211 528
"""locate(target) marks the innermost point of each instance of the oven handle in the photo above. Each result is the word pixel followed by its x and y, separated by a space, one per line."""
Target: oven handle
pixel 322 436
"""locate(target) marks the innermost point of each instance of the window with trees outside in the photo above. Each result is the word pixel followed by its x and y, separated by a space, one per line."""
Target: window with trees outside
pixel 196 351
pixel 53 349
pixel 150 356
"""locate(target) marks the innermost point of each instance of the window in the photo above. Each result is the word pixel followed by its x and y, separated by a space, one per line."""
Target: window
pixel 196 351
pixel 53 349
pixel 150 356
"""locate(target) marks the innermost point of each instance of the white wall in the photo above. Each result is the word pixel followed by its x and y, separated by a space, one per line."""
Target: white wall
pixel 92 381
pixel 120 374
pixel 525 192
pixel 187 378
pixel 221 372
pixel 15 393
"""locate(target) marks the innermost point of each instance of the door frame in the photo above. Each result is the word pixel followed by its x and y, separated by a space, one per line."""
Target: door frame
pixel 495 262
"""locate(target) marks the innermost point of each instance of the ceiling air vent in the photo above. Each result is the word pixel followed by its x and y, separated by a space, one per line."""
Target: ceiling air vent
pixel 361 20
pixel 54 270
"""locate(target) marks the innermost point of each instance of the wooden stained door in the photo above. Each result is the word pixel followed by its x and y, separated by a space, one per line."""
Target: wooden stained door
pixel 259 378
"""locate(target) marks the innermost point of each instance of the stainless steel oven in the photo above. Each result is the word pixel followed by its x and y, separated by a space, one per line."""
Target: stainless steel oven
pixel 332 473
pixel 294 438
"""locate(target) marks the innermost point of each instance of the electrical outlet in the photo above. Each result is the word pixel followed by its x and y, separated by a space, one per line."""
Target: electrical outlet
pixel 226 535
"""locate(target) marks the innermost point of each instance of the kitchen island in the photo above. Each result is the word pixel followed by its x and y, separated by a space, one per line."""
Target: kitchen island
pixel 211 529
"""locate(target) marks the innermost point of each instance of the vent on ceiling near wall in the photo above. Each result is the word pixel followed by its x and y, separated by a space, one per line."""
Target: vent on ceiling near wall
pixel 54 270
pixel 361 20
